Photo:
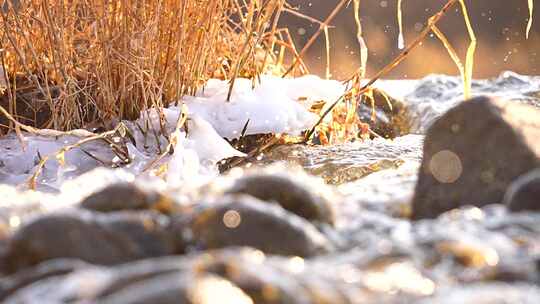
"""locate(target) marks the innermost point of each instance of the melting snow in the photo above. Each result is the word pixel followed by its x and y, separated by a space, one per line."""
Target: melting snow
pixel 272 105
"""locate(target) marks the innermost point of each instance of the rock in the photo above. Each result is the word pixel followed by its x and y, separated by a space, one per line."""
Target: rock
pixel 524 193
pixel 290 195
pixel 249 269
pixel 38 273
pixel 180 288
pixel 212 276
pixel 473 152
pixel 240 220
pixel 173 286
pixel 91 237
pixel 127 196
pixel 391 115
pixel 233 275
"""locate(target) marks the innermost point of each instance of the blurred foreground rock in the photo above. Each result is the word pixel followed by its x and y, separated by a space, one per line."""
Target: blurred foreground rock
pixel 127 196
pixel 237 275
pixel 289 194
pixel 94 238
pixel 387 116
pixel 472 154
pixel 240 220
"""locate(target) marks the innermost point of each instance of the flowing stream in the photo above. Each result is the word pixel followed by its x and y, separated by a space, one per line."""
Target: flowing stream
pixel 470 255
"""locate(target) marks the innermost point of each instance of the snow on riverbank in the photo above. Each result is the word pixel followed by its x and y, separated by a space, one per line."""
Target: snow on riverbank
pixel 274 105
pixel 271 105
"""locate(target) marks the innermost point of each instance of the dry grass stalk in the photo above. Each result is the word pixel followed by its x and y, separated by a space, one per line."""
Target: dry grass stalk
pixel 120 129
pixel 98 60
pixel 357 89
pixel 529 23
pixel 313 38
pixel 89 60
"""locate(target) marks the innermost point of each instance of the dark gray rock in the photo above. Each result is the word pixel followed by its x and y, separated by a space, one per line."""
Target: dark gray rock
pixel 127 196
pixel 472 154
pixel 289 194
pixel 240 220
pixel 92 237
pixel 391 117
pixel 524 193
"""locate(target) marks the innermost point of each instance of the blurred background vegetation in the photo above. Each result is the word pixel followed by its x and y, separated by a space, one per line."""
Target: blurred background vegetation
pixel 499 25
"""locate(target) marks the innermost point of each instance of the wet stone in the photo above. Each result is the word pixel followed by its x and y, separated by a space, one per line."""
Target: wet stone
pixel 86 286
pixel 524 193
pixel 45 270
pixel 240 220
pixel 387 116
pixel 91 237
pixel 248 269
pixel 472 161
pixel 473 244
pixel 236 275
pixel 179 288
pixel 243 267
pixel 289 194
pixel 127 196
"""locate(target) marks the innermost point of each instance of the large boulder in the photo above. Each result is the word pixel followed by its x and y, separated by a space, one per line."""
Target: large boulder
pixel 524 193
pixel 472 154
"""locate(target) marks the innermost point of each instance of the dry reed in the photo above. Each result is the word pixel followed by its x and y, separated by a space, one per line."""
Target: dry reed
pixel 81 61
pixel 84 61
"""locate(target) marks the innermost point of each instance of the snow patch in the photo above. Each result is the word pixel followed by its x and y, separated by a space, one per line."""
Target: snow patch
pixel 271 104
pixel 274 105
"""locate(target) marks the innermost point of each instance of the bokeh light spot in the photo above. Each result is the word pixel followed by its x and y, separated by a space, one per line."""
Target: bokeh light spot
pixel 446 167
pixel 232 219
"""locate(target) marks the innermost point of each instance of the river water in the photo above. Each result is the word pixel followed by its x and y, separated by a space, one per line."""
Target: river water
pixel 470 255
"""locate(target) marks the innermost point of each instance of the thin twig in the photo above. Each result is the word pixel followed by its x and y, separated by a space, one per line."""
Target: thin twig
pixel 432 21
pixel 316 35
pixel 172 143
pixel 60 154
